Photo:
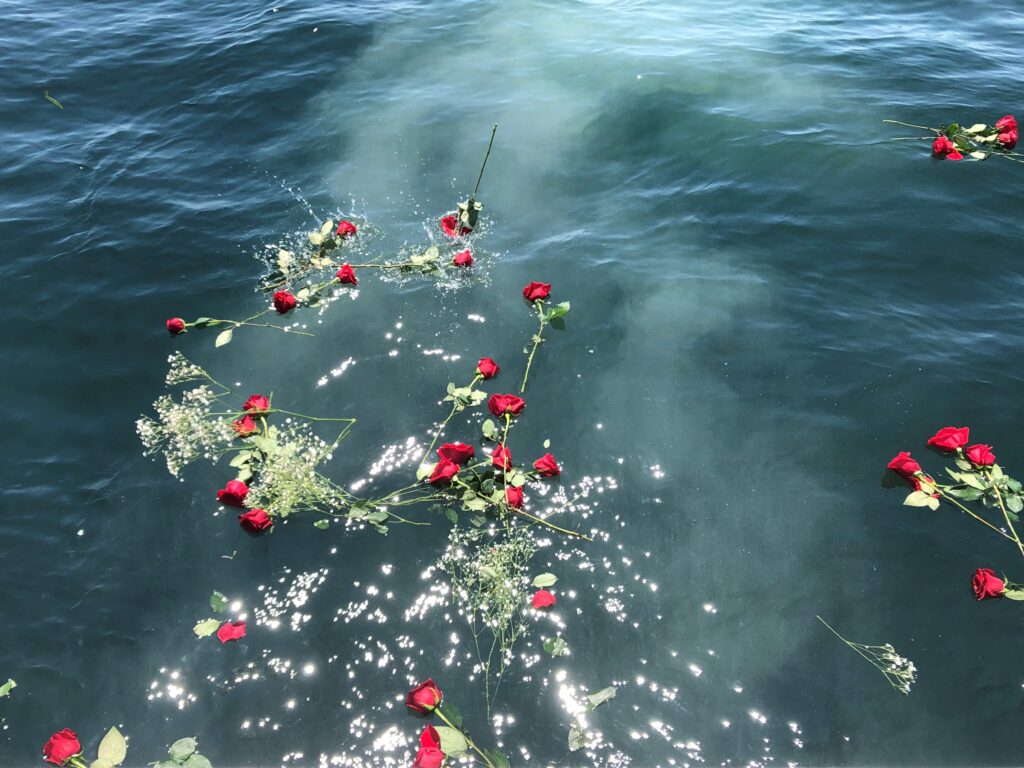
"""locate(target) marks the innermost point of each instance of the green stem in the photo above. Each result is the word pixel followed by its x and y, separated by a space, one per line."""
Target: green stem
pixel 552 526
pixel 1006 516
pixel 466 736
pixel 490 144
pixel 911 125
pixel 968 512
pixel 537 339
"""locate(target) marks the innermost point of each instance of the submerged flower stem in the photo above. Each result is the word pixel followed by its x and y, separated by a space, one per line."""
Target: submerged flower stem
pixel 968 512
pixel 1006 516
pixel 466 736
pixel 537 339
pixel 552 526
pixel 911 125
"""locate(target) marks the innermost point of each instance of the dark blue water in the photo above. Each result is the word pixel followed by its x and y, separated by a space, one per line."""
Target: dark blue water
pixel 769 300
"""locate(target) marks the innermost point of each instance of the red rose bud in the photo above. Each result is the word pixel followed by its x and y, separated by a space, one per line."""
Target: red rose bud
pixel 345 228
pixel 942 147
pixel 514 496
pixel 424 698
pixel 487 368
pixel 175 325
pixel 986 584
pixel 233 494
pixel 256 404
pixel 950 438
pixel 230 631
pixel 904 465
pixel 244 426
pixel 536 291
pixel 981 455
pixel 284 302
pixel 347 275
pixel 61 747
pixel 430 754
pixel 502 458
pixel 459 453
pixel 449 224
pixel 499 405
pixel 1006 123
pixel 546 466
pixel 543 599
pixel 443 472
pixel 255 520
pixel 463 259
pixel 1008 138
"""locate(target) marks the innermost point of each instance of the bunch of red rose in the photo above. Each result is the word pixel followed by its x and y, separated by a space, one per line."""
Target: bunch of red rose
pixel 954 140
pixel 234 492
pixel 948 440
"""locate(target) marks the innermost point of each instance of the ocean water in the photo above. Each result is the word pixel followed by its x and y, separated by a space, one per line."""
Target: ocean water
pixel 770 298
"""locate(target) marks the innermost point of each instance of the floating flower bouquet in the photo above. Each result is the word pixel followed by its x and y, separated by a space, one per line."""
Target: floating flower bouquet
pixel 976 142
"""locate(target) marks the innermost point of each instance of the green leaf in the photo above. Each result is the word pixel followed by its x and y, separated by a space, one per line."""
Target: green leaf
pixel 597 698
pixel 917 499
pixel 1014 594
pixel 1014 503
pixel 976 128
pixel 547 443
pixel 452 714
pixel 559 310
pixel 556 646
pixel 545 580
pixel 218 602
pixel 206 628
pixel 964 465
pixel 244 474
pixel 489 429
pixel 182 749
pixel 322 524
pixel 577 738
pixel 453 743
pixel 497 758
pixel 425 471
pixel 973 480
pixel 242 458
pixel 196 760
pixel 997 472
pixel 224 337
pixel 978 155
pixel 6 688
pixel 952 129
pixel 452 515
pixel 967 494
pixel 113 748
pixel 165 764
pixel 475 504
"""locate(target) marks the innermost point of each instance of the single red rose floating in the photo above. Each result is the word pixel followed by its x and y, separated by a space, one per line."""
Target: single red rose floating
pixel 950 438
pixel 256 404
pixel 543 599
pixel 345 228
pixel 986 584
pixel 514 496
pixel 499 405
pixel 449 225
pixel 459 453
pixel 175 325
pixel 904 465
pixel 284 302
pixel 546 466
pixel 230 631
pixel 980 455
pixel 463 259
pixel 233 494
pixel 61 747
pixel 537 291
pixel 244 426
pixel 502 458
pixel 443 472
pixel 347 276
pixel 255 520
pixel 943 148
pixel 424 698
pixel 430 754
pixel 487 368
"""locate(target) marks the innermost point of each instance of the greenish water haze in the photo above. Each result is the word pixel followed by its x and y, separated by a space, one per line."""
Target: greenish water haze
pixel 769 300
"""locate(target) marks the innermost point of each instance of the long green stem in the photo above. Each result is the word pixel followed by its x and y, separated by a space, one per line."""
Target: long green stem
pixel 466 736
pixel 911 125
pixel 1006 516
pixel 552 526
pixel 537 339
pixel 968 512
pixel 490 144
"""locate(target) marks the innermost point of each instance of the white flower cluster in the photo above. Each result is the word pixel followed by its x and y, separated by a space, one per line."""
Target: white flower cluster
pixel 183 370
pixel 186 431
pixel 900 670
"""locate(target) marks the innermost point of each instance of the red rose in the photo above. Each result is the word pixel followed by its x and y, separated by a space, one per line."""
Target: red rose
pixel 463 259
pixel 62 746
pixel 981 455
pixel 1006 123
pixel 904 465
pixel 499 405
pixel 942 147
pixel 256 404
pixel 175 325
pixel 1008 138
pixel 536 291
pixel 347 275
pixel 514 496
pixel 430 754
pixel 502 458
pixel 255 520
pixel 487 368
pixel 543 599
pixel 284 302
pixel 424 698
pixel 244 426
pixel 986 584
pixel 345 228
pixel 448 225
pixel 950 438
pixel 443 472
pixel 231 630
pixel 546 466
pixel 233 494
pixel 459 453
